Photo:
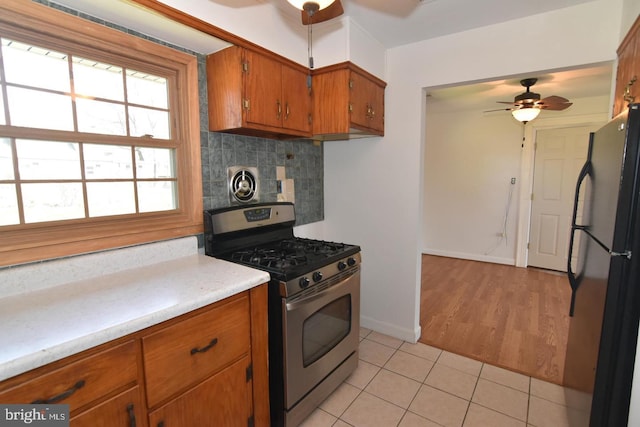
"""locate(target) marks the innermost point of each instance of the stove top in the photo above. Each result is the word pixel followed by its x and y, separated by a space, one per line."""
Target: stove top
pixel 291 257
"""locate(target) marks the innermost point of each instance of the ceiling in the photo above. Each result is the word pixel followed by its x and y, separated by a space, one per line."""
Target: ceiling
pixel 398 22
pixel 394 23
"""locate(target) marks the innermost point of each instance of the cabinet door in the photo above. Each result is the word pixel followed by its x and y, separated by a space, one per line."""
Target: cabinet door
pixel 377 110
pixel 123 410
pixel 628 69
pixel 297 100
pixel 263 91
pixel 222 400
pixel 367 103
pixel 360 89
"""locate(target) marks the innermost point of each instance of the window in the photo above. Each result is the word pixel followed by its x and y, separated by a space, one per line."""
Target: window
pixel 99 138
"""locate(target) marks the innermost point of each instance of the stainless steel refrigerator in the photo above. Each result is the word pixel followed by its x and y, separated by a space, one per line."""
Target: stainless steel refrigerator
pixel 603 270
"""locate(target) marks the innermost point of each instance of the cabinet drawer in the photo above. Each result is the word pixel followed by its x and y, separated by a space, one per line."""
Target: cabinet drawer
pixel 124 410
pixel 185 353
pixel 80 382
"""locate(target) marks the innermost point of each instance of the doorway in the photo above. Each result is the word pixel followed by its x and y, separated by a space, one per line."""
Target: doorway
pixel 559 156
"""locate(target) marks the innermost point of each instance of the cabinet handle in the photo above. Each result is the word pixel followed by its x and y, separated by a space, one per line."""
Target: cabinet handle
pixel 132 415
pixel 627 91
pixel 279 109
pixel 205 348
pixel 286 111
pixel 61 396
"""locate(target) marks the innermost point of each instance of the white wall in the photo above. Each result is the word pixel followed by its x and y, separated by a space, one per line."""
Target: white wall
pixel 373 186
pixel 469 160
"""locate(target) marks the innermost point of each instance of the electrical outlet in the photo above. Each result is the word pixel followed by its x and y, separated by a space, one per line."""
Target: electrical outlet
pixel 513 180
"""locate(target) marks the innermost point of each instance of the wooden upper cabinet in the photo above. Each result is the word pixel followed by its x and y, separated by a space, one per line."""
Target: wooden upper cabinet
pixel 257 94
pixel 347 101
pixel 628 74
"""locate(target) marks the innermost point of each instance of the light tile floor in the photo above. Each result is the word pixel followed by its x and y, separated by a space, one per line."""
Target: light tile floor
pixel 414 385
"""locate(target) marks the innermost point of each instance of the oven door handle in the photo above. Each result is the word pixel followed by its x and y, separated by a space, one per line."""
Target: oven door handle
pixel 321 294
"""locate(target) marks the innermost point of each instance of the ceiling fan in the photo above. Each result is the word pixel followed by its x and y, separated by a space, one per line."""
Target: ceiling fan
pixel 526 106
pixel 315 11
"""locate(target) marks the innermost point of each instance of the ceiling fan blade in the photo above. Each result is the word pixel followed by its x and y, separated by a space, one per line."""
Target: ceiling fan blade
pixel 556 103
pixel 507 102
pixel 330 12
pixel 499 109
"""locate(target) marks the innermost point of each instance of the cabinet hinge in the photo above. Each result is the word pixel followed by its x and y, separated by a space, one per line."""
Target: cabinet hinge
pixel 528 245
pixel 350 84
pixel 245 67
pixel 251 421
pixel 351 108
pixel 531 196
pixel 250 372
pixel 246 104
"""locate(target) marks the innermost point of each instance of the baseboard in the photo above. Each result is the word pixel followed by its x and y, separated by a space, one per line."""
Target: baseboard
pixel 471 257
pixel 404 334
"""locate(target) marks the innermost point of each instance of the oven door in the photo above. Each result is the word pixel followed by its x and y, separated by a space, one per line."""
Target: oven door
pixel 320 331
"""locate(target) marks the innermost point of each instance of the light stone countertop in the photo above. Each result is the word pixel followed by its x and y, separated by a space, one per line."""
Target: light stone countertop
pixel 51 322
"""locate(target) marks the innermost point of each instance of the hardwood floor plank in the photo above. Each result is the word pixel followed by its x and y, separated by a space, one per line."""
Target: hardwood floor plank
pixel 514 318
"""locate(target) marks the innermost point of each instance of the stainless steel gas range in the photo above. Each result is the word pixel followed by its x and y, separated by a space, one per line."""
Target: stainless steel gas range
pixel 314 302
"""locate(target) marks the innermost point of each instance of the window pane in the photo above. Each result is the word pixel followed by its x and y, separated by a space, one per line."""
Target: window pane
pixel 157 196
pixel 97 79
pixel 143 121
pixel 101 117
pixel 155 162
pixel 32 108
pixel 107 161
pixel 3 119
pixel 146 89
pixel 6 159
pixel 110 198
pixel 52 202
pixel 48 160
pixel 34 66
pixel 8 205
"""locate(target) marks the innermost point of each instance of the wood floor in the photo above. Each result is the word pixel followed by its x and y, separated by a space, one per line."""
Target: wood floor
pixel 515 318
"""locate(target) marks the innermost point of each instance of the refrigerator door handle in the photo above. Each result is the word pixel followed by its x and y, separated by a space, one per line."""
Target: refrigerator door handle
pixel 574 281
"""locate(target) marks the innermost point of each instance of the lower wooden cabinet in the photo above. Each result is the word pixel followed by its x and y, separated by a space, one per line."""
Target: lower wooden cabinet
pixel 222 400
pixel 123 410
pixel 205 368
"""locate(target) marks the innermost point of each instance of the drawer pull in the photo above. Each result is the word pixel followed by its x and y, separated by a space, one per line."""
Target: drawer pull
pixel 77 386
pixel 132 415
pixel 205 348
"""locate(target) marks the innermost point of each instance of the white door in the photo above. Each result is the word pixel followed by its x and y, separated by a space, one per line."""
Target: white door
pixel 560 154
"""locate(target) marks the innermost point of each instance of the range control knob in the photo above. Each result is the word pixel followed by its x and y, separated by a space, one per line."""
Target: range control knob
pixel 351 261
pixel 304 282
pixel 317 276
pixel 342 265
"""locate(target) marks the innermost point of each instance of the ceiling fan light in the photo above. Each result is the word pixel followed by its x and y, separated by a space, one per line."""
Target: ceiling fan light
pixel 300 4
pixel 525 114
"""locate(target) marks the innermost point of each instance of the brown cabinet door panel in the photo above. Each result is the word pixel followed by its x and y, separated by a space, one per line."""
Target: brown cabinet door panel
pixel 297 100
pixel 222 400
pixel 263 90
